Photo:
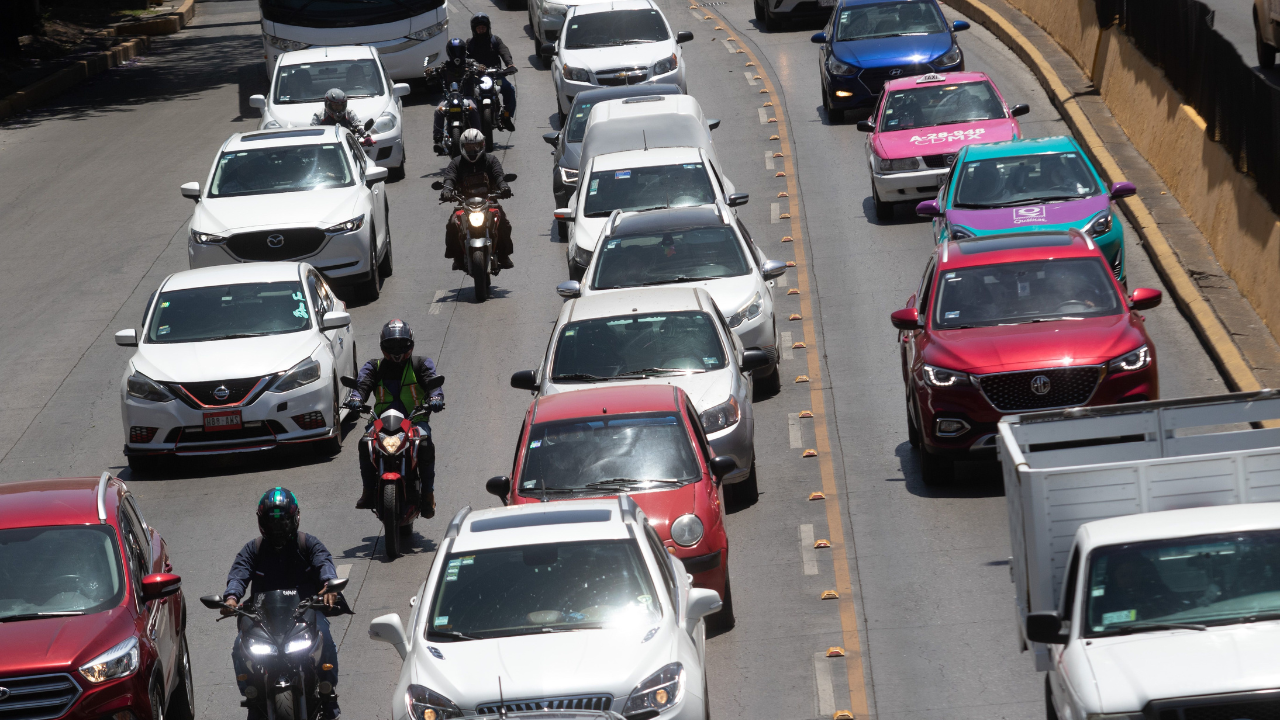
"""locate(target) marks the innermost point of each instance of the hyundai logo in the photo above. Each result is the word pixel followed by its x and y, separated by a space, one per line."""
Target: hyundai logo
pixel 222 393
pixel 895 72
pixel 1040 385
pixel 4 693
pixel 275 240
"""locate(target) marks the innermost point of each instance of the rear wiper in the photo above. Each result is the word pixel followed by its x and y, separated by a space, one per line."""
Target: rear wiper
pixel 35 615
pixel 678 279
pixel 1143 627
pixel 451 634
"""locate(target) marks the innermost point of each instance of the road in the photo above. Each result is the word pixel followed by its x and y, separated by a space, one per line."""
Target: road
pixel 94 222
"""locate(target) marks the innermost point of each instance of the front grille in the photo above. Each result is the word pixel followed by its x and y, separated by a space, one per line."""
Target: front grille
pixel 40 697
pixel 261 246
pixel 939 161
pixel 206 393
pixel 1067 387
pixel 875 78
pixel 1268 710
pixel 599 703
pixel 604 78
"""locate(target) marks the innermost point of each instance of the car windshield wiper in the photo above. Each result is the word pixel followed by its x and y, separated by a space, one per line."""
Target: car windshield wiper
pixel 238 336
pixel 1145 626
pixel 1046 199
pixel 889 35
pixel 977 206
pixel 655 371
pixel 679 279
pixel 577 376
pixel 36 615
pixel 614 482
pixel 965 120
pixel 452 634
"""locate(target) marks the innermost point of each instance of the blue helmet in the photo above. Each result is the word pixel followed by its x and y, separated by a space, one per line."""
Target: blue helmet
pixel 456 50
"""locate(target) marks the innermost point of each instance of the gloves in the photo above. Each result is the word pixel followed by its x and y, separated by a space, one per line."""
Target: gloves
pixel 445 195
pixel 505 193
pixel 351 404
pixel 436 404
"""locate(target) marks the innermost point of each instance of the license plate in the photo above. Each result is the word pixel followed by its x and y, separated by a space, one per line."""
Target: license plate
pixel 228 420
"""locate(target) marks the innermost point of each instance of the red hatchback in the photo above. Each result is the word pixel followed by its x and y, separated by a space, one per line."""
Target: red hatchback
pixel 644 440
pixel 1012 323
pixel 91 620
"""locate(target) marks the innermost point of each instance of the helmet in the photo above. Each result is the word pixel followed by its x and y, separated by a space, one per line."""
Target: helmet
pixel 397 339
pixel 278 515
pixel 480 19
pixel 335 102
pixel 473 145
pixel 456 50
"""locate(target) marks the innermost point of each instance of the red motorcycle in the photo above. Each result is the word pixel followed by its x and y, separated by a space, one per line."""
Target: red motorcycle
pixel 392 442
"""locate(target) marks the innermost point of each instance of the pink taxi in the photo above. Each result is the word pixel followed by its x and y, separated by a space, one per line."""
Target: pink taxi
pixel 918 126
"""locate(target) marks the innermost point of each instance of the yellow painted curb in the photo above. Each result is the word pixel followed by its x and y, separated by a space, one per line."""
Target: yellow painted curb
pixel 167 24
pixel 70 76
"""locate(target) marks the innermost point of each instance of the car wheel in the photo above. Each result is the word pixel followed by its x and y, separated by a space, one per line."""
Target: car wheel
pixel 332 446
pixel 1266 53
pixel 182 703
pixel 156 697
pixel 935 470
pixel 373 286
pixel 385 267
pixel 761 12
pixel 724 620
pixel 913 431
pixel 743 493
pixel 1049 712
pixel 826 107
pixel 769 384
pixel 884 210
pixel 771 22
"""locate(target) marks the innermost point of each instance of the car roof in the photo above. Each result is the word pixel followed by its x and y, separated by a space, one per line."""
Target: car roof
pixel 611 400
pixel 1010 148
pixel 612 5
pixel 646 105
pixel 639 301
pixel 59 501
pixel 234 275
pixel 600 95
pixel 646 158
pixel 1187 522
pixel 533 524
pixel 283 138
pixel 934 79
pixel 649 130
pixel 667 219
pixel 330 52
pixel 1016 247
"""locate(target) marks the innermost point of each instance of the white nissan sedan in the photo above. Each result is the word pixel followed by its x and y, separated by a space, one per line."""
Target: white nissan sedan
pixel 236 359
pixel 570 606
pixel 302 194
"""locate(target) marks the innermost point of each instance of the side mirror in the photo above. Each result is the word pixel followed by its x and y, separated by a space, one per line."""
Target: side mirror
pixel 713 123
pixel 818 38
pixel 1019 110
pixel 191 190
pixel 336 585
pixel 1045 627
pixel 499 487
pixel 437 185
pixel 866 126
pixel 547 49
pixel 258 101
pixel 213 602
pixel 722 465
pixel 1123 189
pixel 754 359
pixel 959 25
pixel 509 177
pixel 1145 298
pixel 127 338
pixel 400 89
pixel 375 175
pixel 702 602
pixel 772 269
pixel 160 585
pixel 335 320
pixel 906 319
pixel 390 630
pixel 525 380
pixel 683 36
pixel 347 381
pixel 551 138
pixel 928 208
pixel 737 199
pixel 569 289
pixel 435 381
pixel 368 125
pixel 564 214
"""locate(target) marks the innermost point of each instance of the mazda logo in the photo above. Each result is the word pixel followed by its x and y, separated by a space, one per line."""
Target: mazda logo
pixel 1040 385
pixel 4 693
pixel 895 72
pixel 222 393
pixel 275 240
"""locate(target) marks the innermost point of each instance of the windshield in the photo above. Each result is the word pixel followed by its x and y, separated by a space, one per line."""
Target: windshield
pixel 346 13
pixel 615 27
pixel 648 188
pixel 578 121
pixel 280 170
pixel 888 20
pixel 308 83
pixel 941 105
pixel 1206 580
pixel 1014 293
pixel 613 452
pixel 1024 180
pixel 676 256
pixel 68 570
pixel 671 343
pixel 534 589
pixel 228 311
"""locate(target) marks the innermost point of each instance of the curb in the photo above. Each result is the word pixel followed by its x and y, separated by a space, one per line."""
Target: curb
pixel 70 76
pixel 1204 321
pixel 161 25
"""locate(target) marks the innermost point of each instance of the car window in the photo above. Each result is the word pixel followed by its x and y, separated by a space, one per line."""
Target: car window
pixel 702 253
pixel 648 343
pixel 936 105
pixel 1024 180
pixel 135 549
pixel 926 284
pixel 578 122
pixel 614 27
pixel 63 568
pixel 357 156
pixel 280 170
pixel 647 188
pixel 716 173
pixel 1014 293
pixel 228 312
pixel 308 82
pixel 133 505
pixel 330 299
pixel 147 308
pixel 888 19
pixel 696 424
pixel 664 564
pixel 319 299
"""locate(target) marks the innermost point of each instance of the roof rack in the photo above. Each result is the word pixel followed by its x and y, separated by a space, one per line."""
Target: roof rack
pixel 455 525
pixel 102 497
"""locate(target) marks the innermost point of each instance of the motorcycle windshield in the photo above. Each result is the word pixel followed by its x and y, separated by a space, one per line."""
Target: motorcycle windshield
pixel 278 608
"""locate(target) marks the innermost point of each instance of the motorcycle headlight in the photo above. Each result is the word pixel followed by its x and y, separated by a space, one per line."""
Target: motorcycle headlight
pixel 120 661
pixel 555 9
pixel 261 649
pixel 899 164
pixel 351 225
pixel 1129 362
pixel 576 74
pixel 666 65
pixel 687 530
pixel 271 125
pixel 385 123
pixel 304 373
pixel 286 45
pixel 429 32
pixel 750 311
pixel 392 443
pixel 941 377
pixel 427 704
pixel 141 386
pixel 724 415
pixel 659 691
pixel 835 67
pixel 476 219
pixel 203 238
pixel 298 644
pixel 568 176
pixel 951 57
pixel 1100 225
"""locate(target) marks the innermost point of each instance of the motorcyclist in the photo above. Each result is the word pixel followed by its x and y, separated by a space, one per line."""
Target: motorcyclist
pixel 398 381
pixel 284 558
pixel 476 173
pixel 488 49
pixel 336 113
pixel 456 69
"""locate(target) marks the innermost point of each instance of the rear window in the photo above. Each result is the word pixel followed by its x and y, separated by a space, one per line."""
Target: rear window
pixel 648 188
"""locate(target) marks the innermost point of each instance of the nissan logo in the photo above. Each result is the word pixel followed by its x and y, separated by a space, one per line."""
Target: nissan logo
pixel 895 72
pixel 222 393
pixel 275 241
pixel 4 693
pixel 1040 385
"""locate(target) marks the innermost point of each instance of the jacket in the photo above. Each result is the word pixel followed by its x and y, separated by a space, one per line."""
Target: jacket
pixel 347 119
pixel 462 174
pixel 489 50
pixel 304 566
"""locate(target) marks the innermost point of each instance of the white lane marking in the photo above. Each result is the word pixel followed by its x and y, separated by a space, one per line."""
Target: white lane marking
pixel 751 79
pixel 807 555
pixel 769 164
pixel 343 570
pixel 728 47
pixel 697 15
pixel 784 340
pixel 781 280
pixel 764 116
pixel 435 303
pixel 774 211
pixel 793 425
pixel 822 676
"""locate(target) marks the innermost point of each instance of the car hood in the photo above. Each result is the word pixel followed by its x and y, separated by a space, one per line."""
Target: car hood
pixel 879 52
pixel 1049 216
pixel 1030 346
pixel 607 661
pixel 706 389
pixel 224 359
pixel 586 231
pixel 300 114
pixel 1127 672
pixel 640 55
pixel 572 155
pixel 314 208
pixel 942 139
pixel 60 644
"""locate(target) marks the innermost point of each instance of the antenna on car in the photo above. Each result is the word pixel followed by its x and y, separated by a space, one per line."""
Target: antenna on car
pixel 502 703
pixel 645 137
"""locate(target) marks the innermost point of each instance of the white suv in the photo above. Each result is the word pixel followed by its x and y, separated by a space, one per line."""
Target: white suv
pixel 560 606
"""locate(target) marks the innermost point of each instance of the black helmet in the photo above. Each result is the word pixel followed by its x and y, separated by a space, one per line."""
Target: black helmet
pixel 481 19
pixel 335 102
pixel 396 341
pixel 278 515
pixel 456 50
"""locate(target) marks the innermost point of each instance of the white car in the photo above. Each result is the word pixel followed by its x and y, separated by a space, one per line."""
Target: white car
pixel 703 246
pixel 546 20
pixel 306 193
pixel 235 359
pixel 625 42
pixel 570 606
pixel 302 78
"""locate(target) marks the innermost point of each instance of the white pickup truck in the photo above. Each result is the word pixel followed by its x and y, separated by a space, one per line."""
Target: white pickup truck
pixel 1146 556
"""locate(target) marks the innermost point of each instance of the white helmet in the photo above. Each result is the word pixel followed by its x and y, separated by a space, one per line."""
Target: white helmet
pixel 472 145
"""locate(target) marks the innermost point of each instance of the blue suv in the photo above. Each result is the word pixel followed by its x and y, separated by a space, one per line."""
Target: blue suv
pixel 867 42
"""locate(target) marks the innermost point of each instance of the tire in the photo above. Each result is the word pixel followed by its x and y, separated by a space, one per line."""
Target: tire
pixel 407 529
pixel 284 706
pixel 761 12
pixel 769 384
pixel 156 696
pixel 936 470
pixel 913 431
pixel 455 143
pixel 724 620
pixel 390 521
pixel 372 288
pixel 1049 712
pixel 182 703
pixel 1266 53
pixel 537 49
pixel 744 492
pixel 385 268
pixel 562 230
pixel 771 22
pixel 486 127
pixel 480 275
pixel 884 210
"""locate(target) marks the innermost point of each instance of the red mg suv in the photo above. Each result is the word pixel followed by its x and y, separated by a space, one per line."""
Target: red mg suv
pixel 92 622
pixel 1012 323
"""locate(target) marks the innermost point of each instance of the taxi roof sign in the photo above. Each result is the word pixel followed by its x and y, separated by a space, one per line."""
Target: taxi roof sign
pixel 931 77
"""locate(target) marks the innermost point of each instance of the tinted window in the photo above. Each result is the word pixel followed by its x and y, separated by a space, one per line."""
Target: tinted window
pixel 1014 293
pixel 309 82
pixel 1024 180
pixel 66 569
pixel 677 256
pixel 615 27
pixel 343 13
pixel 668 343
pixel 888 20
pixel 578 122
pixel 229 311
pixel 279 170
pixel 941 105
pixel 648 188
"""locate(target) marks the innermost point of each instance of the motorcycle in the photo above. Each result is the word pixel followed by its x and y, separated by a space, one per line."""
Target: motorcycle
pixel 455 121
pixel 488 93
pixel 475 221
pixel 393 441
pixel 280 642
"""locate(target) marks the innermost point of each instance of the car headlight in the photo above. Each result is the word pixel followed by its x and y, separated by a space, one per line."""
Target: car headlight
pixel 666 65
pixel 429 32
pixel 286 45
pixel 385 123
pixel 427 704
pixel 724 415
pixel 261 649
pixel 951 57
pixel 659 691
pixel 555 9
pixel 568 176
pixel 1129 362
pixel 687 530
pixel 298 644
pixel 576 74
pixel 750 311
pixel 476 219
pixel 1100 225
pixel 304 373
pixel 271 125
pixel 120 661
pixel 351 225
pixel 203 238
pixel 581 255
pixel 899 164
pixel 835 67
pixel 141 386
pixel 392 443
pixel 941 377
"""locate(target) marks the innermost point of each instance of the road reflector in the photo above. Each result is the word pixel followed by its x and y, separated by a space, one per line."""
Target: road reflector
pixel 830 595
pixel 809 453
pixel 794 291
pixel 818 545
pixel 773 137
pixel 798 346
pixel 806 413
pixel 707 17
pixel 750 64
pixel 795 316
pixel 731 39
pixel 786 238
pixel 783 193
pixel 785 216
pixel 802 378
pixel 780 174
pixel 817 496
pixel 768 104
pixel 720 28
pixel 842 715
pixel 763 90
pixel 773 120
pixel 741 51
pixel 777 154
pixel 834 651
pixel 791 263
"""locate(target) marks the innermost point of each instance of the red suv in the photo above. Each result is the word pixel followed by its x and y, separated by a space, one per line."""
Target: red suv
pixel 91 620
pixel 1012 323
pixel 644 440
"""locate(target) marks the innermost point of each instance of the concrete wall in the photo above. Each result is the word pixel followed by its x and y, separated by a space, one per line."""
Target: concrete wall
pixel 1073 23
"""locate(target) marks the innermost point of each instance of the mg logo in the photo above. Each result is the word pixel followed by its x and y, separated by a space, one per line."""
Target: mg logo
pixel 275 241
pixel 895 72
pixel 1040 385
pixel 222 393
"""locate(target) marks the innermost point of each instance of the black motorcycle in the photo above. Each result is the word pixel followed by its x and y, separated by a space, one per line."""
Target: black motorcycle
pixel 456 120
pixel 475 221
pixel 281 644
pixel 488 85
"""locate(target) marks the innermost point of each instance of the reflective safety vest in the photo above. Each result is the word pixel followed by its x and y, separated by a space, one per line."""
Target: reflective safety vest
pixel 411 394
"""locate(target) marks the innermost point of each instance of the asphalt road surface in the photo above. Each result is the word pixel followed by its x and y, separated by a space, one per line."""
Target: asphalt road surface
pixel 93 222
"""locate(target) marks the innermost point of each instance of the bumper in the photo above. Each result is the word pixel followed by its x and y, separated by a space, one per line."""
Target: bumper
pixel 103 701
pixel 388 149
pixel 707 562
pixel 902 186
pixel 569 89
pixel 848 92
pixel 738 442
pixel 340 257
pixel 549 27
pixel 760 332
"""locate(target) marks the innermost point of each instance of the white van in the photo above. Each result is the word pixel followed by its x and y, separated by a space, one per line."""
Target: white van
pixel 410 35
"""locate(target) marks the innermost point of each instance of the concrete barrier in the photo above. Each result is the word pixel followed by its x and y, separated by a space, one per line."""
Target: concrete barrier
pixel 162 25
pixel 1073 23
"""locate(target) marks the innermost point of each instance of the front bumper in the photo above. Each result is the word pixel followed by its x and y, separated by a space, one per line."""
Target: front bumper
pixel 707 562
pixel 344 256
pixel 903 186
pixel 738 442
pixel 388 149
pixel 853 91
pixel 760 332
